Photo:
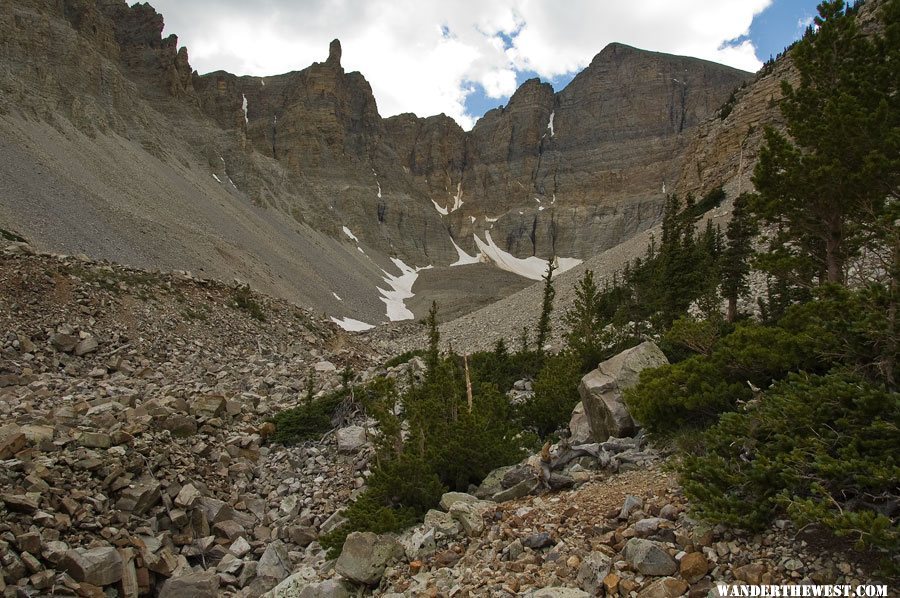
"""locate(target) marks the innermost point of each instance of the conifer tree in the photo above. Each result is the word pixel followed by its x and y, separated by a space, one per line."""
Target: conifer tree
pixel 735 263
pixel 827 180
pixel 543 326
pixel 584 322
pixel 432 355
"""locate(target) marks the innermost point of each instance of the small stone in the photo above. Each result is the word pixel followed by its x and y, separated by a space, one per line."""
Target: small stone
pixel 240 547
pixel 95 440
pixel 188 496
pixel 693 567
pixel 667 587
pixel 537 541
pixel 351 439
pixel 11 443
pixel 448 499
pixel 63 342
pixel 632 503
pixel 650 558
pixel 751 574
pixel 86 345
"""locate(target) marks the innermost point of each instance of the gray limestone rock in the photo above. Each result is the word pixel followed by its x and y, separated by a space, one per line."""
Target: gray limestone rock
pixel 366 555
pixel 648 557
pixel 98 566
pixel 601 390
pixel 191 585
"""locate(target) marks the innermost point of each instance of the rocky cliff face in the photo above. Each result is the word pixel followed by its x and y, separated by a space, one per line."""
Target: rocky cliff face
pixel 257 178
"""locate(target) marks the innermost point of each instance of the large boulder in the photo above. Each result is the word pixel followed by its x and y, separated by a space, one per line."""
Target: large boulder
pixel 366 555
pixel 601 390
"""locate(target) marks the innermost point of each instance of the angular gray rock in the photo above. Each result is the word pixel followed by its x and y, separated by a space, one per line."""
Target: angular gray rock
pixel 98 566
pixel 648 557
pixel 365 556
pixel 579 426
pixel 591 572
pixel 601 390
pixel 191 585
pixel 559 593
pixel 351 439
pixel 471 515
pixel 275 562
pixel 448 499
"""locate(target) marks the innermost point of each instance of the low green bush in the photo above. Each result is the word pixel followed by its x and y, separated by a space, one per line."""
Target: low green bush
pixel 309 420
pixel 555 394
pixel 688 394
pixel 814 448
pixel 398 494
pixel 404 357
pixel 242 298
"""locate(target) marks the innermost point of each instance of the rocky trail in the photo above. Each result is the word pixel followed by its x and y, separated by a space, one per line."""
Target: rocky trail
pixel 134 461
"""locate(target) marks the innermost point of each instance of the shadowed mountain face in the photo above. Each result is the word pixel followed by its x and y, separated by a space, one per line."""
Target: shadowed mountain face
pixel 114 147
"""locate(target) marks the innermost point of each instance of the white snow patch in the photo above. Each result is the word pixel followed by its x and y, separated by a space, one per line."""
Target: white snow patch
pixel 350 234
pixel 401 289
pixel 232 183
pixel 244 108
pixel 664 188
pixel 360 249
pixel 352 325
pixel 540 208
pixel 441 211
pixel 489 219
pixel 379 189
pixel 218 180
pixel 336 296
pixel 457 199
pixel 457 202
pixel 464 258
pixel 537 199
pixel 532 267
pixel 472 218
pixel 550 124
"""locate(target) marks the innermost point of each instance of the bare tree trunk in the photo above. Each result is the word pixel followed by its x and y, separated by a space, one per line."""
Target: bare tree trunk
pixel 731 312
pixel 834 261
pixel 468 382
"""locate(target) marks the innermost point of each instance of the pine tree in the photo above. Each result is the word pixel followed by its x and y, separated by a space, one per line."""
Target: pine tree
pixel 735 262
pixel 585 335
pixel 432 354
pixel 827 180
pixel 543 326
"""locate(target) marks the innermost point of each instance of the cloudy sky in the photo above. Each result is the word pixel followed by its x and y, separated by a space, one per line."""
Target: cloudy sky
pixel 464 57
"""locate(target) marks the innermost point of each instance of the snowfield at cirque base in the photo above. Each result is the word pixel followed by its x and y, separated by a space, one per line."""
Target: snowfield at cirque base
pixel 401 289
pixel 531 267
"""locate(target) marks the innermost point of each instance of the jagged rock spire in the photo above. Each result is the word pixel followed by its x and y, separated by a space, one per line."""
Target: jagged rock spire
pixel 334 53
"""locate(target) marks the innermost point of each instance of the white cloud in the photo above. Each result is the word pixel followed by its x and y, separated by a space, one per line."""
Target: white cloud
pixel 425 56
